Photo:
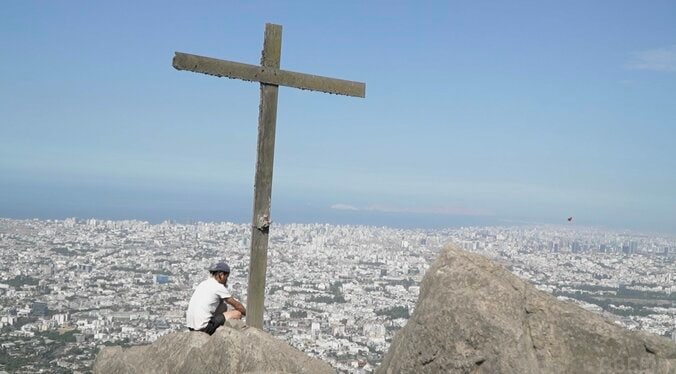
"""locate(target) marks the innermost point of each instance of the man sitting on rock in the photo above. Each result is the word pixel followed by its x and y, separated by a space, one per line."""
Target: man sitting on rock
pixel 208 307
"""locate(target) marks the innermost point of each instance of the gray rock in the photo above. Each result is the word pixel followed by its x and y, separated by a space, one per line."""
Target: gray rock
pixel 474 316
pixel 233 348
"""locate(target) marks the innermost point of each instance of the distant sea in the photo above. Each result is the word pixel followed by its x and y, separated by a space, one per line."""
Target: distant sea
pixel 25 199
pixel 158 207
pixel 239 213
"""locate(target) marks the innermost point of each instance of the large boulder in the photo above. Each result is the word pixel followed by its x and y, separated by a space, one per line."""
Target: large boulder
pixel 231 349
pixel 474 316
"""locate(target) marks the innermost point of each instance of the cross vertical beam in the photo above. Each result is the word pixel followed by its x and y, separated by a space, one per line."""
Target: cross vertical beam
pixel 270 77
pixel 267 122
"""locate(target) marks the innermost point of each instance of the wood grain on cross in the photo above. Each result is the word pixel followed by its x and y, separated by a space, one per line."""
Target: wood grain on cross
pixel 270 77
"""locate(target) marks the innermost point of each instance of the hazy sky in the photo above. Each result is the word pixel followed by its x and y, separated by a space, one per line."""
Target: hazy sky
pixel 476 111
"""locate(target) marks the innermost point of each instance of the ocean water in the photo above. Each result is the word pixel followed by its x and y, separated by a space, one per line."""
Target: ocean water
pixel 51 200
pixel 48 199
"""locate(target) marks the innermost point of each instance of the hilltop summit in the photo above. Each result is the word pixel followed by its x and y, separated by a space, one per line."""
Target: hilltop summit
pixel 231 349
pixel 474 316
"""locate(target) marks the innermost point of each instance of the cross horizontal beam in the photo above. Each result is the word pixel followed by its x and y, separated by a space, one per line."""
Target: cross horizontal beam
pixel 268 75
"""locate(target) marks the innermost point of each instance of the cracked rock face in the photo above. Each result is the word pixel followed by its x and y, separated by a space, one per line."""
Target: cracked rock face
pixel 474 316
pixel 232 349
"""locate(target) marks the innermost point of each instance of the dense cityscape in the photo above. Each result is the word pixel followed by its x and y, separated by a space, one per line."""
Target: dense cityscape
pixel 340 293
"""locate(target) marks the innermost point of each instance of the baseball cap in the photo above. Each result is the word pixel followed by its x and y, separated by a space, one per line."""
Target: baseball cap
pixel 220 266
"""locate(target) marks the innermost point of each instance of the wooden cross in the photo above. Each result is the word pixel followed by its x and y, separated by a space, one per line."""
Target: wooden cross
pixel 270 77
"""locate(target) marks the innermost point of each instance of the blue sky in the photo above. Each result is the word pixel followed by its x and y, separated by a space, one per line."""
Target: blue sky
pixel 474 112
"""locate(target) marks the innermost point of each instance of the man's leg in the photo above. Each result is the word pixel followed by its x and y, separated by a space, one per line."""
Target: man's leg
pixel 228 314
pixel 222 308
pixel 232 314
pixel 215 322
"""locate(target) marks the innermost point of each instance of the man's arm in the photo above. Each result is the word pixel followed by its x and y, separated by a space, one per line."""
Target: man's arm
pixel 236 304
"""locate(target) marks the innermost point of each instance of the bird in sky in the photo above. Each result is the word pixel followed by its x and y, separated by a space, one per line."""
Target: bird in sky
pixel 570 219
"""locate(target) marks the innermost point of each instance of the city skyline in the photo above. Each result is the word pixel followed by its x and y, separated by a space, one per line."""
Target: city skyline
pixel 475 114
pixel 336 292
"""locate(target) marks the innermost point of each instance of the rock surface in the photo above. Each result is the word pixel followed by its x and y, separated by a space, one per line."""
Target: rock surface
pixel 474 316
pixel 232 349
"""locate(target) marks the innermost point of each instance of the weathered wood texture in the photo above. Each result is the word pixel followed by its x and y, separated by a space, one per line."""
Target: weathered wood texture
pixel 267 119
pixel 267 74
pixel 271 77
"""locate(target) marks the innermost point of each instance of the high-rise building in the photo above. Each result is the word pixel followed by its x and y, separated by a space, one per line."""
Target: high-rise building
pixel 161 279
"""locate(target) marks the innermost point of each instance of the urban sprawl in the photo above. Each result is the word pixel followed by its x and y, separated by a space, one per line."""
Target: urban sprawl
pixel 340 293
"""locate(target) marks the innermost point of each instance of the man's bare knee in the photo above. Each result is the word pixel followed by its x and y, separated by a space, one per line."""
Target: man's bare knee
pixel 232 314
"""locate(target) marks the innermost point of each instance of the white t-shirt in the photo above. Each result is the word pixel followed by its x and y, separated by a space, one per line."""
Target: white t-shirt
pixel 204 301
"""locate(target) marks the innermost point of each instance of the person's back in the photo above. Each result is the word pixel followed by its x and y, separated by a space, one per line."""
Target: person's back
pixel 207 309
pixel 204 302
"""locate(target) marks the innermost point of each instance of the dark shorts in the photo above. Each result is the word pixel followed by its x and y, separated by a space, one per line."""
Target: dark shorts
pixel 214 323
